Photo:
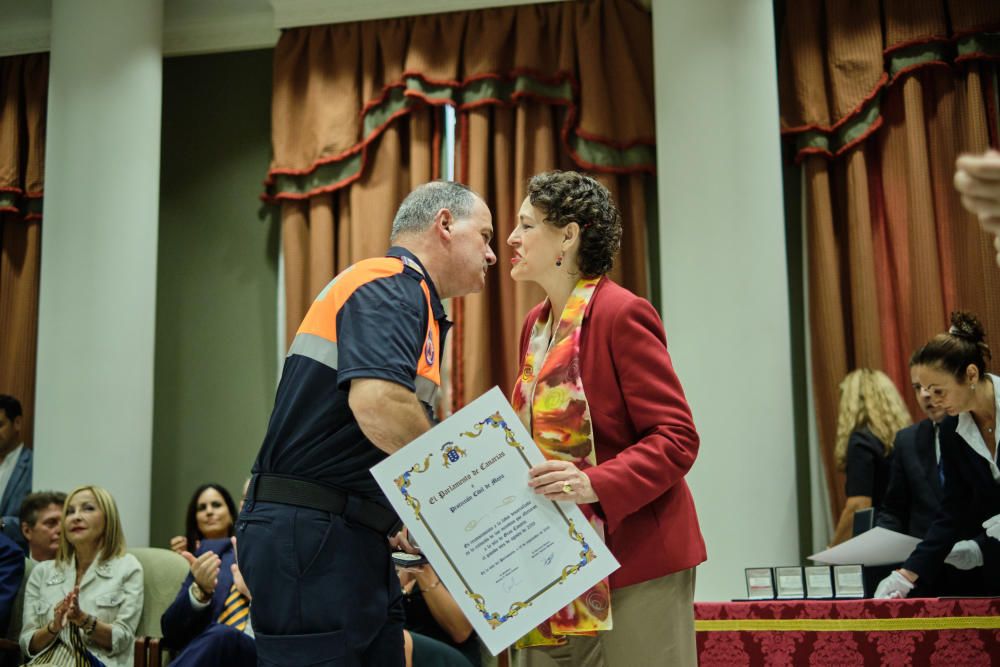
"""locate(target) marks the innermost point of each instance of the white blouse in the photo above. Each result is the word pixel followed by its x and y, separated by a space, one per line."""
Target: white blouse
pixel 970 432
pixel 110 590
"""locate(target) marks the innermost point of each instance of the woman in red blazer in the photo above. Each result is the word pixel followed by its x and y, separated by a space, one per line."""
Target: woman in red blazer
pixel 600 396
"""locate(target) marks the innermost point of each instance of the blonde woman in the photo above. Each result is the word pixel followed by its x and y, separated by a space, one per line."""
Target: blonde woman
pixel 871 412
pixel 83 607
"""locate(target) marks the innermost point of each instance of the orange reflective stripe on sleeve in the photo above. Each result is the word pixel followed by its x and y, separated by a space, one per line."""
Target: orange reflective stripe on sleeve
pixel 321 320
pixel 316 337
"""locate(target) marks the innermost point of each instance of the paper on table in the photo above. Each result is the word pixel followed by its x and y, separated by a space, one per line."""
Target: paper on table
pixel 878 546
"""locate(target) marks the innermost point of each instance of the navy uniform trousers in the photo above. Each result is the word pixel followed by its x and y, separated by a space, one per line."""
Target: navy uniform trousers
pixel 324 590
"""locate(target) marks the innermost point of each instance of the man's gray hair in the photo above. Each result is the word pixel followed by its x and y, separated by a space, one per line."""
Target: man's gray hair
pixel 417 211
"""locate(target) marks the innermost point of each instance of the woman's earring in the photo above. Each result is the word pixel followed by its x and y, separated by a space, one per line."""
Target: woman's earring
pixel 559 260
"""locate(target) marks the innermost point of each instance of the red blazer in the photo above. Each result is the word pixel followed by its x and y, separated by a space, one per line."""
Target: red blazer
pixel 644 436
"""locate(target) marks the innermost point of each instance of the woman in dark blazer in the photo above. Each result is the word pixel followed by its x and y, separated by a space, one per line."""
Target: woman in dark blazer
pixel 952 368
pixel 600 396
pixel 208 619
pixel 211 514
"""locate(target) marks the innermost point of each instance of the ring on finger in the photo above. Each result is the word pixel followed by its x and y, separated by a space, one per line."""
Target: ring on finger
pixel 567 487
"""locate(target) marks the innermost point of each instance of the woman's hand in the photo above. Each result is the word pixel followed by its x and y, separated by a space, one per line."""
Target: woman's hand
pixel 562 480
pixel 205 570
pixel 74 614
pixel 179 544
pixel 60 612
pixel 238 580
pixel 442 605
pixel 401 541
pixel 47 634
pixel 427 578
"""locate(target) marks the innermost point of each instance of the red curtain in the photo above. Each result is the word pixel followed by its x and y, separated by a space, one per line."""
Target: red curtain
pixel 879 100
pixel 23 94
pixel 536 87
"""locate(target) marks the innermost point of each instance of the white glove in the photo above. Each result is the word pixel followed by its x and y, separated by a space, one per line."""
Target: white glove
pixel 992 526
pixel 893 586
pixel 965 555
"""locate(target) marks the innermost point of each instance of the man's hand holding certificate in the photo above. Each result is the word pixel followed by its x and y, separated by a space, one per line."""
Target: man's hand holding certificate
pixel 510 557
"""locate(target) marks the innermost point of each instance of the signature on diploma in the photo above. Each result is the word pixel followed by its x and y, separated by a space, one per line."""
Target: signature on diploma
pixel 509 583
pixel 548 559
pixel 469 527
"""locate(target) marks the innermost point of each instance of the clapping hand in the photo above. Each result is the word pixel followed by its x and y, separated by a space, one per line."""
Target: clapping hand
pixel 62 611
pixel 204 569
pixel 238 581
pixel 179 544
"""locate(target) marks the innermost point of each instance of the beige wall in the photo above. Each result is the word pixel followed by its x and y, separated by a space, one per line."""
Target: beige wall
pixel 724 281
pixel 97 301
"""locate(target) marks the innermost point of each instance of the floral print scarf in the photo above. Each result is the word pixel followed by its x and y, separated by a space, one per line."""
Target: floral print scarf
pixel 549 399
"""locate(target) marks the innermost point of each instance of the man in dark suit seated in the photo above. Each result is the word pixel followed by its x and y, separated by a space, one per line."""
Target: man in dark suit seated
pixel 11 574
pixel 41 523
pixel 209 620
pixel 15 468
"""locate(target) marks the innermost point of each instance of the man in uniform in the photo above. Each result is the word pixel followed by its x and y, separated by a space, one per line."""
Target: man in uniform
pixel 358 384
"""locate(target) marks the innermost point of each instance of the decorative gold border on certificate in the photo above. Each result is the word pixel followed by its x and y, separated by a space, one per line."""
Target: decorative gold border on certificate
pixel 405 480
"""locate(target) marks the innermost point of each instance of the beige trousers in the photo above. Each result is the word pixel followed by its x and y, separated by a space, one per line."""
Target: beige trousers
pixel 653 626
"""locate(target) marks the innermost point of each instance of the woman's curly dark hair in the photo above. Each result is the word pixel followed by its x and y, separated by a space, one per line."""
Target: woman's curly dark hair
pixel 567 196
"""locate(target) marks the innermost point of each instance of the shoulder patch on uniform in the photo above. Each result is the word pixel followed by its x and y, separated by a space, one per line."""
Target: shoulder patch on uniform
pixel 429 348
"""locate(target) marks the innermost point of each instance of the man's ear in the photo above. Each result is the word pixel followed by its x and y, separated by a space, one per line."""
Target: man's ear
pixel 26 530
pixel 443 222
pixel 17 423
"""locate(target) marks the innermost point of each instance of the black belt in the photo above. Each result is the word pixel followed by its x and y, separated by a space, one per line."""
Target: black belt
pixel 305 493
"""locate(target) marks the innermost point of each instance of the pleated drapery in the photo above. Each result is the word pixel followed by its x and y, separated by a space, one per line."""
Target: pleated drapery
pixel 535 87
pixel 505 147
pixel 879 99
pixel 23 95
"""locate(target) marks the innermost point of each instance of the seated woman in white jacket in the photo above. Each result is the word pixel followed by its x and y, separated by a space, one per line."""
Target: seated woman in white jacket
pixel 88 600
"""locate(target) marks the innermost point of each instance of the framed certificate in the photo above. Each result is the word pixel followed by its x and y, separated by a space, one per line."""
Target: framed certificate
pixel 509 557
pixel 848 581
pixel 819 582
pixel 760 583
pixel 789 583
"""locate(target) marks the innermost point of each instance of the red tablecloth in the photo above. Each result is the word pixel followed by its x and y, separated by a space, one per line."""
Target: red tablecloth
pixel 930 631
